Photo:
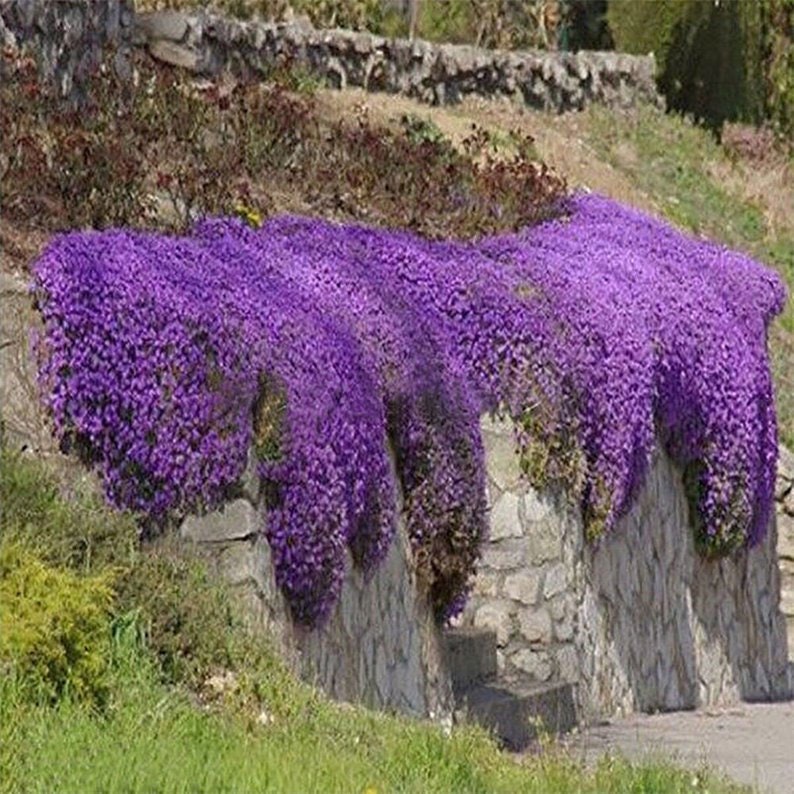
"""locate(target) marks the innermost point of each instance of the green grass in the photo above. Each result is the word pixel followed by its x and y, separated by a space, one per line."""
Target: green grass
pixel 152 739
pixel 166 728
pixel 668 158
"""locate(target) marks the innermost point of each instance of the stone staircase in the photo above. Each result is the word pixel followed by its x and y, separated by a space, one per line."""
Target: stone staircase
pixel 515 710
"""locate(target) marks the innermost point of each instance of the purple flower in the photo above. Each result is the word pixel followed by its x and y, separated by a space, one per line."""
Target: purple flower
pixel 599 334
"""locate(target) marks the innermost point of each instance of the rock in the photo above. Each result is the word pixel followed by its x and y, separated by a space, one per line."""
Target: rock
pixel 504 555
pixel 535 625
pixel 543 541
pixel 523 586
pixel 535 664
pixel 168 25
pixel 496 616
pixel 555 581
pixel 236 520
pixel 785 463
pixel 502 463
pixel 173 54
pixel 504 522
pixel 535 507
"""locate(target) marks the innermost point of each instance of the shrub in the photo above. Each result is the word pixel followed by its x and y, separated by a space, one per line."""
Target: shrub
pixel 724 61
pixel 594 332
pixel 186 617
pixel 54 627
pixel 78 533
pixel 167 153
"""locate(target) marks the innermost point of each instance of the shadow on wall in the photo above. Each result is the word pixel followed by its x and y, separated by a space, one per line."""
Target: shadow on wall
pixel 661 628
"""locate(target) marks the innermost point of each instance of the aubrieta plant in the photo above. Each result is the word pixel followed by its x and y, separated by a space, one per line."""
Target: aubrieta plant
pixel 358 361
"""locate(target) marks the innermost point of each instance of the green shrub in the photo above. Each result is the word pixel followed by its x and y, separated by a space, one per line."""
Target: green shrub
pixel 779 64
pixel 54 627
pixel 708 55
pixel 732 60
pixel 187 617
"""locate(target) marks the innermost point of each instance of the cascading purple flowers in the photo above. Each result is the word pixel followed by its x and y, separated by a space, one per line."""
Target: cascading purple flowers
pixel 598 333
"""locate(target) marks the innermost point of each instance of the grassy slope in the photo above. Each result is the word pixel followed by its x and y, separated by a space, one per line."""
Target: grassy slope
pixel 656 162
pixel 258 729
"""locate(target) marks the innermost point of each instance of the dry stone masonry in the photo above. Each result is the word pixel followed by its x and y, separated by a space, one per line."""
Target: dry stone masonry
pixel 640 622
pixel 436 73
pixel 70 37
pixel 784 495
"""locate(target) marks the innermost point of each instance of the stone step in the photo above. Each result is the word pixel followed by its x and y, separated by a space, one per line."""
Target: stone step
pixel 517 713
pixel 471 656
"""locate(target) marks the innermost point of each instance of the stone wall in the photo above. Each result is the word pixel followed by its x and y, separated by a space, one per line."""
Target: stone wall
pixel 437 73
pixel 784 495
pixel 640 621
pixel 69 37
pixel 381 646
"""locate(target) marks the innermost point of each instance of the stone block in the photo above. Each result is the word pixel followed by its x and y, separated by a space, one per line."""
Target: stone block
pixel 235 520
pixel 498 617
pixel 505 555
pixel 170 25
pixel 536 507
pixel 555 581
pixel 536 664
pixel 523 586
pixel 174 54
pixel 504 520
pixel 535 625
pixel 544 541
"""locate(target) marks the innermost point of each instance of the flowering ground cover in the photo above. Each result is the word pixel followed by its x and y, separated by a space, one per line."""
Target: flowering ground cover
pixel 601 333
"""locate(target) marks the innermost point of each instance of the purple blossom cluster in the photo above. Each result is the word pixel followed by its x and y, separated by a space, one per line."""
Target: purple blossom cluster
pixel 600 333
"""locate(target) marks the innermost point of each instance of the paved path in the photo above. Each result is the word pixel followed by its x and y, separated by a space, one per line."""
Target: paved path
pixel 751 743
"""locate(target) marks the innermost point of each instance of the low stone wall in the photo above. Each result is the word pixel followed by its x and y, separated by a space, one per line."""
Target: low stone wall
pixel 69 37
pixel 640 621
pixel 381 646
pixel 437 73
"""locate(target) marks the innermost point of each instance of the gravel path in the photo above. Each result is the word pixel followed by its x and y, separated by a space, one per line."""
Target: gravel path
pixel 751 743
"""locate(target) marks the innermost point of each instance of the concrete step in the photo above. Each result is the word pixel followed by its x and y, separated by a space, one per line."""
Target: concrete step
pixel 517 713
pixel 471 656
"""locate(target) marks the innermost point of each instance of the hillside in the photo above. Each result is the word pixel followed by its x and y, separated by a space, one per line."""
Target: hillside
pixel 741 195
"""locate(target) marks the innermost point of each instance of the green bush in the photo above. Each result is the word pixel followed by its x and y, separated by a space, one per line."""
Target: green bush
pixel 54 627
pixel 726 61
pixel 188 620
pixel 709 55
pixel 779 64
pixel 186 617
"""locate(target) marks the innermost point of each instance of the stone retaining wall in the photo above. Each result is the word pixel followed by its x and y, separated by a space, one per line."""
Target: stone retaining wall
pixel 641 621
pixel 784 494
pixel 70 37
pixel 381 646
pixel 437 73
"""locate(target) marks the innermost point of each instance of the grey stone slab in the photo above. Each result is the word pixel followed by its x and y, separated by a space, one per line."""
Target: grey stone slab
pixel 233 521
